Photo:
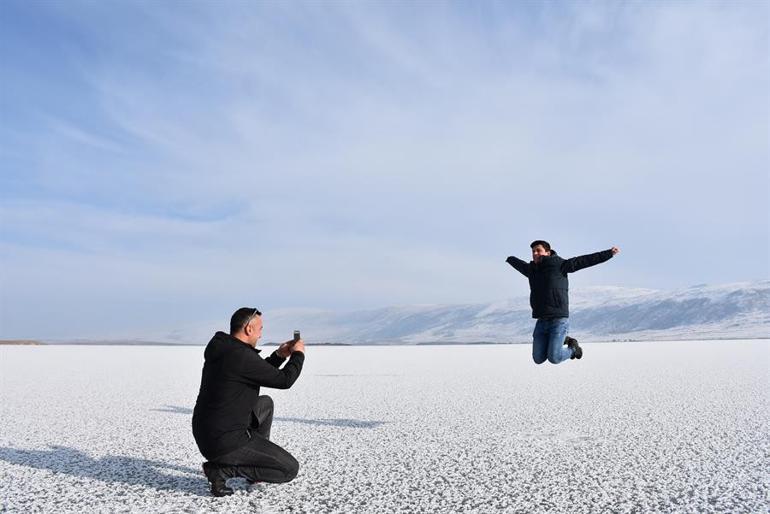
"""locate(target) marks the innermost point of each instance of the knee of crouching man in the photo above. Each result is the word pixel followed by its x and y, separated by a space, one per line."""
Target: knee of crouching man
pixel 266 402
pixel 292 471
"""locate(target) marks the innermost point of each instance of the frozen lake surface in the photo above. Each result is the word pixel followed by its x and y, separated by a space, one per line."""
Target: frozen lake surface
pixel 666 426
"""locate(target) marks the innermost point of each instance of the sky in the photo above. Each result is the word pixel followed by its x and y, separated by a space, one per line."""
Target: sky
pixel 164 163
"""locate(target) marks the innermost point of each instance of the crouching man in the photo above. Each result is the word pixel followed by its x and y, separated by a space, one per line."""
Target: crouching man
pixel 231 421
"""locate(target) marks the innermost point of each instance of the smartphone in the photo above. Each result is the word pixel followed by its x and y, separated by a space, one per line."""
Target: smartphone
pixel 296 336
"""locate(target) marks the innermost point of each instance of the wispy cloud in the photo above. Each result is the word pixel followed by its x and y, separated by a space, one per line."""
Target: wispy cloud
pixel 346 154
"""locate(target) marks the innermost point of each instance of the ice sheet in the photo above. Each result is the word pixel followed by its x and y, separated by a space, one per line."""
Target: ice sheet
pixel 663 426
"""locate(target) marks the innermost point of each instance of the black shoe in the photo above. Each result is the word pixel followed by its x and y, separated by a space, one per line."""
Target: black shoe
pixel 577 351
pixel 216 479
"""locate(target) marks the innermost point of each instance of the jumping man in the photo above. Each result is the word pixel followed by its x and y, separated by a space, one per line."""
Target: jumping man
pixel 549 299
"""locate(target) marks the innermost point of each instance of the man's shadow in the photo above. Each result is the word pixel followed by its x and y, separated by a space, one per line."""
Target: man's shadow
pixel 326 422
pixel 334 422
pixel 119 470
pixel 140 472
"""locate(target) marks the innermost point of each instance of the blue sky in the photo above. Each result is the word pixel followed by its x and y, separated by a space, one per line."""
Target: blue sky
pixel 163 163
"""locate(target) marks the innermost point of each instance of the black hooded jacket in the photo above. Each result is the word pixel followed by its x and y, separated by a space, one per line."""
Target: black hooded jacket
pixel 548 284
pixel 233 372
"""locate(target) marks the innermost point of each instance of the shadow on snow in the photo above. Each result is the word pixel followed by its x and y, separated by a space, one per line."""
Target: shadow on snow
pixel 120 470
pixel 337 422
pixel 174 409
pixel 326 422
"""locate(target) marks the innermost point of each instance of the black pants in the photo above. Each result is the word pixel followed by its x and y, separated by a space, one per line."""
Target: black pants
pixel 260 460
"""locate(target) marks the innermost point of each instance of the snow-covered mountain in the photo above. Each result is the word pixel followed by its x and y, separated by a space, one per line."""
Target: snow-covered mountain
pixel 739 310
pixel 728 311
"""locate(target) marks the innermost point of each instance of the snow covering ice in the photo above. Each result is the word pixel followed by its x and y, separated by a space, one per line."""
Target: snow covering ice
pixel 656 426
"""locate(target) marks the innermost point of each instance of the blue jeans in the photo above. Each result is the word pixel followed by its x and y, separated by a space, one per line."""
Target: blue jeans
pixel 548 341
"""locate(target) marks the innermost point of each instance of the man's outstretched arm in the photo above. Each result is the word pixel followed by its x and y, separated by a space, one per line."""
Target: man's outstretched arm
pixel 254 370
pixel 275 359
pixel 521 266
pixel 280 354
pixel 592 259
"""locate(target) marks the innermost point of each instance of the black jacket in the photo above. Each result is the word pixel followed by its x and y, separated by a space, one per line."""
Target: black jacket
pixel 232 374
pixel 548 284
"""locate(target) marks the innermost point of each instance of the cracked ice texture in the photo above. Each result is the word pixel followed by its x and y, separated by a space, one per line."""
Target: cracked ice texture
pixel 674 426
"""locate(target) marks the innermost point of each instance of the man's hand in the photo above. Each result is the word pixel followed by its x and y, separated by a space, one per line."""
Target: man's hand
pixel 285 349
pixel 615 250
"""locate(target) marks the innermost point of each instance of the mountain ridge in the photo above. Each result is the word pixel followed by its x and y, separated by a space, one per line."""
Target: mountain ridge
pixel 605 313
pixel 739 310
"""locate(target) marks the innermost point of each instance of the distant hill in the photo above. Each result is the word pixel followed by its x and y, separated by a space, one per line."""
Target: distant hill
pixel 739 310
pixel 728 311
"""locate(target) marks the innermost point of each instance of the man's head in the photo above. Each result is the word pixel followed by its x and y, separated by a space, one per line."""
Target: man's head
pixel 246 325
pixel 540 249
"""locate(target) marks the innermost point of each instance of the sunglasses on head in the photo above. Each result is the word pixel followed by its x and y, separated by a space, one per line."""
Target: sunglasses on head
pixel 255 313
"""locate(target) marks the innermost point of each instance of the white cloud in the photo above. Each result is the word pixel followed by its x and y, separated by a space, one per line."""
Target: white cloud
pixel 351 154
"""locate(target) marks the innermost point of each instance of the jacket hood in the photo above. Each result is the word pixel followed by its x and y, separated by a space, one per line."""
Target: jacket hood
pixel 218 346
pixel 221 343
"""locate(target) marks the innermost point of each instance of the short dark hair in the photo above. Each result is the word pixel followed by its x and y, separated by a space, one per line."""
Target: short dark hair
pixel 241 317
pixel 542 243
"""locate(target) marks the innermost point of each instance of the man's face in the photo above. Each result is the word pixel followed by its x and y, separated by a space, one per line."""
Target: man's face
pixel 538 252
pixel 254 330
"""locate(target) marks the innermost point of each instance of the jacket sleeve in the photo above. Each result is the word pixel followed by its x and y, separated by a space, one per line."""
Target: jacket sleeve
pixel 584 261
pixel 256 371
pixel 521 266
pixel 275 360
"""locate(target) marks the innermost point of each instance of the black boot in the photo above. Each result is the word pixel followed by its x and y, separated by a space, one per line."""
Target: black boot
pixel 577 351
pixel 216 479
